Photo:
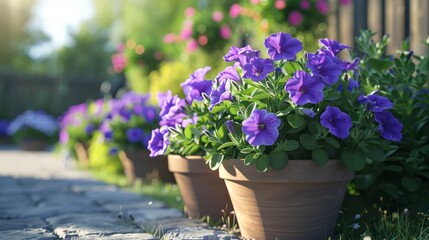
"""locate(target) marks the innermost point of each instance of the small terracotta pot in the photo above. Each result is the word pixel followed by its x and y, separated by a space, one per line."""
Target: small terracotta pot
pixel 138 164
pixel 82 153
pixel 203 192
pixel 300 202
pixel 33 145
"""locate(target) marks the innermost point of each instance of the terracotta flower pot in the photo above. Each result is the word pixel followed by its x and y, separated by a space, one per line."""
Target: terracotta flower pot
pixel 82 153
pixel 33 145
pixel 300 202
pixel 203 192
pixel 138 164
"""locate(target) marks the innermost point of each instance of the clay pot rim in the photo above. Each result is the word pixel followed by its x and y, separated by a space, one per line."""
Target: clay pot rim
pixel 187 164
pixel 295 171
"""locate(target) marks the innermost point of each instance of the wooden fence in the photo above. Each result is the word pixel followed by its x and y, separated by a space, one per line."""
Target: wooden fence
pixel 400 19
pixel 19 92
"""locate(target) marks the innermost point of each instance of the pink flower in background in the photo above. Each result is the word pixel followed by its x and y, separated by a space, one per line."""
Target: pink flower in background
pixel 295 18
pixel 192 46
pixel 190 12
pixel 120 47
pixel 169 38
pixel 225 31
pixel 203 40
pixel 234 10
pixel 280 4
pixel 322 6
pixel 305 4
pixel 186 33
pixel 254 2
pixel 217 16
pixel 345 2
pixel 118 61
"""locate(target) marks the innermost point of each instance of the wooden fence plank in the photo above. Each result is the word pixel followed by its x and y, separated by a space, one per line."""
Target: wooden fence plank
pixel 395 23
pixel 375 18
pixel 346 24
pixel 419 21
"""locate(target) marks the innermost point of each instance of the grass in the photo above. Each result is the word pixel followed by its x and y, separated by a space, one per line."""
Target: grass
pixel 165 192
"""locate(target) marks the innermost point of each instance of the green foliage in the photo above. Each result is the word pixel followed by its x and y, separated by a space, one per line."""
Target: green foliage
pixel 99 157
pixel 401 178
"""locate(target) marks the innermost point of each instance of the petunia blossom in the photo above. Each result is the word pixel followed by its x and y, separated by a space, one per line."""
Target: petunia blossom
pixel 258 69
pixel 282 46
pixel 134 134
pixel 375 103
pixel 158 143
pixel 241 55
pixel 261 128
pixel 196 85
pixel 338 123
pixel 304 88
pixel 323 65
pixel 390 127
pixel 220 94
pixel 332 45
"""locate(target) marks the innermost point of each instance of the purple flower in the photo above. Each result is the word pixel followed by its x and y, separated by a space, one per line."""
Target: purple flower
pixel 282 46
pixel 196 85
pixel 106 130
pixel 159 142
pixel 336 121
pixel 149 113
pixel 170 105
pixel 134 134
pixel 333 46
pixel 230 73
pixel 89 129
pixel 220 94
pixel 304 88
pixel 309 112
pixel 113 151
pixel 258 69
pixel 241 55
pixel 351 65
pixel 261 128
pixel 390 127
pixel 145 140
pixel 375 103
pixel 322 65
pixel 352 85
pixel 230 126
pixel 190 120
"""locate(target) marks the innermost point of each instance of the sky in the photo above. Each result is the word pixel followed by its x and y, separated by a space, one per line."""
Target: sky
pixel 56 18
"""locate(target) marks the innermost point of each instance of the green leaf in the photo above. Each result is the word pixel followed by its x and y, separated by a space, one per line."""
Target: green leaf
pixel 333 95
pixel 308 142
pixel 332 142
pixel 246 150
pixel 262 163
pixel 393 168
pixel 412 184
pixel 225 145
pixel 188 131
pixel 284 112
pixel 250 109
pixel 215 161
pixel 295 121
pixel 278 159
pixel 363 181
pixel 292 67
pixel 290 145
pixel 379 64
pixel 249 159
pixel 376 154
pixel 260 96
pixel 355 161
pixel 320 156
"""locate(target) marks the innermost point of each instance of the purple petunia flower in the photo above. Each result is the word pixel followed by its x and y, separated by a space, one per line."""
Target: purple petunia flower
pixel 261 128
pixel 375 103
pixel 89 129
pixel 134 134
pixel 190 120
pixel 170 105
pixel 390 127
pixel 196 85
pixel 230 126
pixel 333 46
pixel 336 121
pixel 323 65
pixel 351 65
pixel 352 85
pixel 304 88
pixel 220 94
pixel 230 73
pixel 309 112
pixel 241 55
pixel 159 142
pixel 282 46
pixel 258 69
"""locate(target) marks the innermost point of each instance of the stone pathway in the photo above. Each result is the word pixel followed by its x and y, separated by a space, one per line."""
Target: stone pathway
pixel 41 198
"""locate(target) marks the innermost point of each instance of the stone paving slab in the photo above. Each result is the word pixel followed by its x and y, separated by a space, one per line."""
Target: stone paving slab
pixel 79 225
pixel 41 197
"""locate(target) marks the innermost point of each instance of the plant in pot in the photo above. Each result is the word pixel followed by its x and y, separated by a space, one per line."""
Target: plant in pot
pixel 298 126
pixel 77 127
pixel 400 180
pixel 127 130
pixel 181 137
pixel 33 130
